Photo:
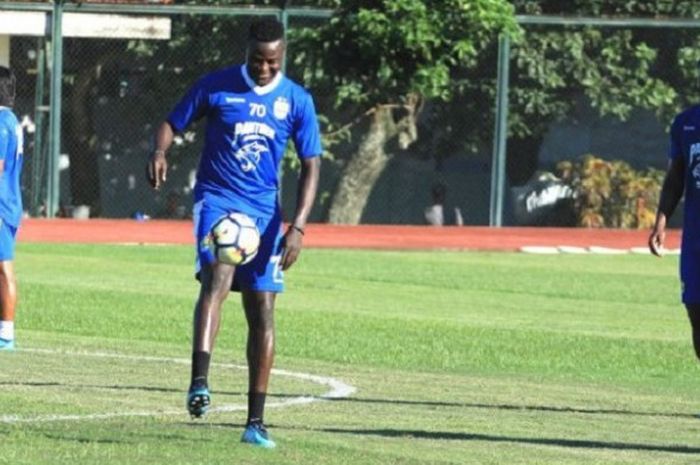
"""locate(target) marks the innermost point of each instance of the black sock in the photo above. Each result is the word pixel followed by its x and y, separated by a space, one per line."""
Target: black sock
pixel 200 367
pixel 256 407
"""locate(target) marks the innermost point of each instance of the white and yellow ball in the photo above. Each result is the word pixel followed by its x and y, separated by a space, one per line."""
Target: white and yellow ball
pixel 235 239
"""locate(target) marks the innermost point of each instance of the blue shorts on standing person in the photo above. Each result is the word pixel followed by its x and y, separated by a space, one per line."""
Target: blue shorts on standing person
pixel 690 275
pixel 264 272
pixel 8 234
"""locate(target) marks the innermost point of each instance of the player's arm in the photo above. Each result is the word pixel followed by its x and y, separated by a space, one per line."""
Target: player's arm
pixel 157 164
pixel 193 106
pixel 306 193
pixel 671 193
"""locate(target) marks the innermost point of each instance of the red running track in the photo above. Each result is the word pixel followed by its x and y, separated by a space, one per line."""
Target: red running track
pixel 334 236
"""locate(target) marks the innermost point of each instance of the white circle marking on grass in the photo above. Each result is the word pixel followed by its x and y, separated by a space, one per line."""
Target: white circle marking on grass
pixel 338 390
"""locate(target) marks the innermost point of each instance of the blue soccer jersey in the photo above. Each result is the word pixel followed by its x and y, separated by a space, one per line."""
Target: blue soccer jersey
pixel 11 153
pixel 247 131
pixel 685 144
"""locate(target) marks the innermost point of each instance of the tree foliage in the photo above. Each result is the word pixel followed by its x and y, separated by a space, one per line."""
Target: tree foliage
pixel 556 68
pixel 382 60
pixel 616 69
pixel 378 52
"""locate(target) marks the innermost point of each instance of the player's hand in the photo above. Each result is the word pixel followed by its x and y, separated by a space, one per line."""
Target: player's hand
pixel 292 247
pixel 656 241
pixel 157 169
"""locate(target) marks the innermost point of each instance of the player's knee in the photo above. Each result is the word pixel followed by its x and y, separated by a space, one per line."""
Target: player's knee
pixel 261 319
pixel 6 273
pixel 259 310
pixel 216 280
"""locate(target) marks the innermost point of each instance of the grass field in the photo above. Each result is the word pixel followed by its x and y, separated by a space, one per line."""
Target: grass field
pixel 456 358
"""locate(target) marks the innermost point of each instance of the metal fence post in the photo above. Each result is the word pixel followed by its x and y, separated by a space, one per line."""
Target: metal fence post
pixel 284 19
pixel 53 180
pixel 38 154
pixel 498 165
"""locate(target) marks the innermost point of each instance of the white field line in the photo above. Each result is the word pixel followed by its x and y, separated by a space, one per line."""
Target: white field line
pixel 338 389
pixel 591 250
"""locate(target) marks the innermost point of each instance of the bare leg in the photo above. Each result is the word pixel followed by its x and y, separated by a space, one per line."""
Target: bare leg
pixel 215 286
pixel 259 310
pixel 8 291
pixel 694 316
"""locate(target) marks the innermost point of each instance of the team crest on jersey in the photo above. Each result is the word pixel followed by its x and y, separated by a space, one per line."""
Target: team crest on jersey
pixel 694 157
pixel 694 150
pixel 250 153
pixel 695 170
pixel 280 108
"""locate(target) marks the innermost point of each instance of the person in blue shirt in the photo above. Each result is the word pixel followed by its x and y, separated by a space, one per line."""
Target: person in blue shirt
pixel 11 142
pixel 252 111
pixel 683 178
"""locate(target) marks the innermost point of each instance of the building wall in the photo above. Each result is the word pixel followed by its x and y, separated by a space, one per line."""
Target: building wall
pixel 4 50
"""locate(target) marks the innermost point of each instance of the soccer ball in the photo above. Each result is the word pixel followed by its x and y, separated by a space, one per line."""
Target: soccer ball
pixel 234 239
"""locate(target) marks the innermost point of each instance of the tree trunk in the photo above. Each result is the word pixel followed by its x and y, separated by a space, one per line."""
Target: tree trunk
pixel 363 169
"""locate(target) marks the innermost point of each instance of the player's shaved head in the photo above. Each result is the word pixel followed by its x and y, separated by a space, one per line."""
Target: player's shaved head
pixel 266 48
pixel 266 30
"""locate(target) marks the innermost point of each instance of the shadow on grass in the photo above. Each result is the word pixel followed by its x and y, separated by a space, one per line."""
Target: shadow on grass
pixel 118 387
pixel 426 403
pixel 126 387
pixel 572 443
pixel 536 408
pixel 85 440
pixel 137 437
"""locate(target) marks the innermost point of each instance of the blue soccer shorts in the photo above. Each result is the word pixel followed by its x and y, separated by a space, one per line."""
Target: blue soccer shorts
pixel 690 275
pixel 264 273
pixel 7 241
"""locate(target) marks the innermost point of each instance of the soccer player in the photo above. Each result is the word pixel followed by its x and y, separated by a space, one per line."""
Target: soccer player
pixel 683 177
pixel 11 141
pixel 252 110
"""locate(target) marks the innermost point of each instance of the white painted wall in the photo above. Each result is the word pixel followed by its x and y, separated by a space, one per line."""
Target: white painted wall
pixel 4 50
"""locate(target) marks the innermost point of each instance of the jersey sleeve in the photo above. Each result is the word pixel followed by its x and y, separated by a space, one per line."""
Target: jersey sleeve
pixel 5 136
pixel 675 149
pixel 191 107
pixel 307 135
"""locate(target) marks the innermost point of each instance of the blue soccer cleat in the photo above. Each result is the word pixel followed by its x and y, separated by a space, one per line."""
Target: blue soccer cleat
pixel 7 344
pixel 256 434
pixel 198 400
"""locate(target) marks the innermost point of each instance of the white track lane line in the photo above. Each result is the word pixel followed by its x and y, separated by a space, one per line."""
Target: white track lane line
pixel 338 389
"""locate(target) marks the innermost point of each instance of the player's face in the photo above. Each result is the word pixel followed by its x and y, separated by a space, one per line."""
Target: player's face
pixel 265 60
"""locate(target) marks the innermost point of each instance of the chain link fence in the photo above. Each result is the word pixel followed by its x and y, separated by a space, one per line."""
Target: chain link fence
pixel 115 91
pixel 592 149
